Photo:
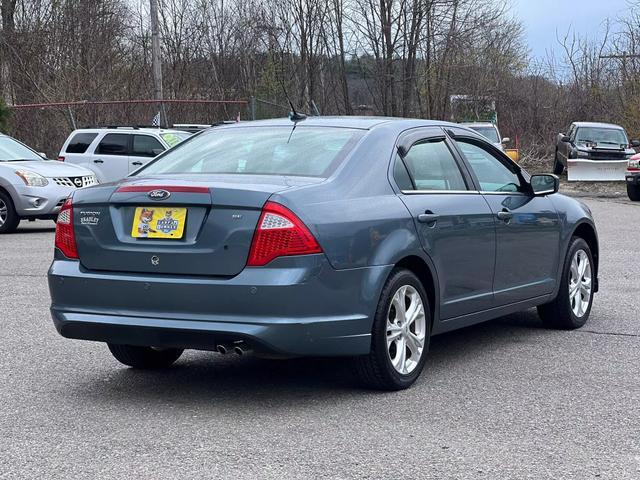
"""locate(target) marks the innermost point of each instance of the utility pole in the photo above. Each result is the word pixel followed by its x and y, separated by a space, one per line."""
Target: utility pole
pixel 156 61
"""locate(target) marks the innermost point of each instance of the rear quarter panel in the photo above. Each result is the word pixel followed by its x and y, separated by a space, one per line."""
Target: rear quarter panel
pixel 356 216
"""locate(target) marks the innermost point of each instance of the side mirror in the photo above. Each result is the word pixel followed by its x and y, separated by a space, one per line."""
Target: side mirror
pixel 566 139
pixel 506 140
pixel 157 151
pixel 43 155
pixel 545 184
pixel 635 143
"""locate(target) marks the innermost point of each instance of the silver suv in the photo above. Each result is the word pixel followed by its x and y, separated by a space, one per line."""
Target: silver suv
pixel 32 187
pixel 114 152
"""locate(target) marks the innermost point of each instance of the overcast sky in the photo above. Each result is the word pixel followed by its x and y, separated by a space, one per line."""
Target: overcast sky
pixel 542 18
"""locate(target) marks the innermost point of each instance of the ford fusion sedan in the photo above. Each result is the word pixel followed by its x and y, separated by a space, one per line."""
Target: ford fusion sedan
pixel 32 187
pixel 355 237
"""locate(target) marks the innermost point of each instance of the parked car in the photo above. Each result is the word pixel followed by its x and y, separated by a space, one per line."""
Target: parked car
pixel 593 151
pixel 340 236
pixel 32 187
pixel 632 178
pixel 491 132
pixel 114 152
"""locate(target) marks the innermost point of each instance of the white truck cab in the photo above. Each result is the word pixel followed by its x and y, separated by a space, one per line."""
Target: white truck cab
pixel 114 152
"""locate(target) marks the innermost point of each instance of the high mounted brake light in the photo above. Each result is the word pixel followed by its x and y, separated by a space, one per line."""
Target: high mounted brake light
pixel 168 188
pixel 65 236
pixel 280 233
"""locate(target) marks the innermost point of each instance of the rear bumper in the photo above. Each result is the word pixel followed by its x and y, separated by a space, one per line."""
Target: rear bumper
pixel 296 306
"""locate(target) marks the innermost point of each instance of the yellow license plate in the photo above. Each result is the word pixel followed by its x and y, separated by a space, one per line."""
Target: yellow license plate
pixel 159 222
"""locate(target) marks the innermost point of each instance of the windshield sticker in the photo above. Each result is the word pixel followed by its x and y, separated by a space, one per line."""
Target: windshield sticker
pixel 171 138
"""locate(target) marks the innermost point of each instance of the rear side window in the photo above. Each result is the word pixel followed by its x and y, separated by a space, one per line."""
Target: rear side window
pixel 114 144
pixel 432 166
pixel 401 175
pixel 146 146
pixel 275 150
pixel 80 142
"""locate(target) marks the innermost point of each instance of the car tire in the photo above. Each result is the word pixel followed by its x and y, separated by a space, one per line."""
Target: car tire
pixel 633 191
pixel 568 310
pixel 558 168
pixel 376 370
pixel 9 218
pixel 145 357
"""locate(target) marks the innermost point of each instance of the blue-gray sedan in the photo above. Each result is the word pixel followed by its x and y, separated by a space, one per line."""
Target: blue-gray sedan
pixel 346 236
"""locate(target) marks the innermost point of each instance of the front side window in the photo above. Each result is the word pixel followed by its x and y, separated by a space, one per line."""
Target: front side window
pixel 432 166
pixel 303 151
pixel 146 146
pixel 493 175
pixel 114 144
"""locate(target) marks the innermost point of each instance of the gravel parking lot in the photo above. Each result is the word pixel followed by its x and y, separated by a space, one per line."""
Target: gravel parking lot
pixel 506 399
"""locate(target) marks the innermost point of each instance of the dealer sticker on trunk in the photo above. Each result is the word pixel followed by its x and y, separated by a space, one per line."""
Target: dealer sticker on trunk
pixel 159 222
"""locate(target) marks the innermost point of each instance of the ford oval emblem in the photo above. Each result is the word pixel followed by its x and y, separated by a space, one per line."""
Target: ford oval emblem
pixel 158 194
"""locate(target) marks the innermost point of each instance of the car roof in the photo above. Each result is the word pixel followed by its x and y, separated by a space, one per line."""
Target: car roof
pixel 478 124
pixel 598 125
pixel 362 123
pixel 129 130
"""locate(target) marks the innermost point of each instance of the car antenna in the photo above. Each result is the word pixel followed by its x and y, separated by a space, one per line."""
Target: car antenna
pixel 294 115
pixel 315 109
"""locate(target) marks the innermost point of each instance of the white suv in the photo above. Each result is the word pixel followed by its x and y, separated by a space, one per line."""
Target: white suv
pixel 114 152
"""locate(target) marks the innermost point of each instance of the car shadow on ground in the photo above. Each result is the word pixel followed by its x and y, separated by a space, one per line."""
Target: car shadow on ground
pixel 200 378
pixel 39 229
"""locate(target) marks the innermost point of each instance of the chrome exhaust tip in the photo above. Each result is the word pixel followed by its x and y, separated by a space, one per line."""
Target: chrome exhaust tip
pixel 222 349
pixel 241 348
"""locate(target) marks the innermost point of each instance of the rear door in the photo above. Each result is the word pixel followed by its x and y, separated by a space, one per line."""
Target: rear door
pixel 111 157
pixel 454 223
pixel 144 149
pixel 527 226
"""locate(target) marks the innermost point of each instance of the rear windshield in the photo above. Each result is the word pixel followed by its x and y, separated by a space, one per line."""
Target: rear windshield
pixel 488 132
pixel 305 151
pixel 605 136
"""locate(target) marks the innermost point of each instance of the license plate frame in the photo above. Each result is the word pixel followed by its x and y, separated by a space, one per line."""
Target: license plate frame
pixel 165 223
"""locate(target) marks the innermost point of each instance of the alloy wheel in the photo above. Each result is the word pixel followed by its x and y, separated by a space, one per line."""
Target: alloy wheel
pixel 580 283
pixel 406 329
pixel 3 212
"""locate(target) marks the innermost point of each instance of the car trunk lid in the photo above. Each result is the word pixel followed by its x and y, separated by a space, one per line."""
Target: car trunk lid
pixel 221 216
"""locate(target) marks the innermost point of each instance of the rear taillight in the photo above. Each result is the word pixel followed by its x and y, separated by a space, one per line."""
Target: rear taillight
pixel 280 233
pixel 60 159
pixel 65 236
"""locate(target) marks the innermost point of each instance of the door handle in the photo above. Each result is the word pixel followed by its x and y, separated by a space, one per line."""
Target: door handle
pixel 505 215
pixel 136 163
pixel 98 161
pixel 428 217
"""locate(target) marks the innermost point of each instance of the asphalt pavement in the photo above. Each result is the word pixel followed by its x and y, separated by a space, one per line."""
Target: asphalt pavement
pixel 503 400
